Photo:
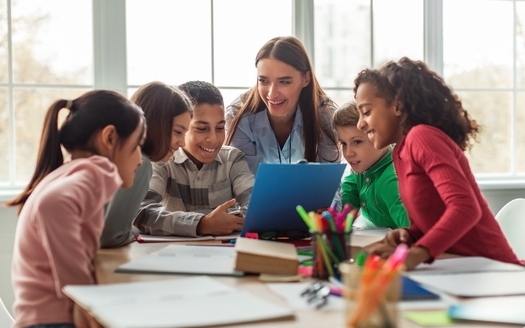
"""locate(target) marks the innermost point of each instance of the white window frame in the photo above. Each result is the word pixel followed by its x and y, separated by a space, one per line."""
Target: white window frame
pixel 110 67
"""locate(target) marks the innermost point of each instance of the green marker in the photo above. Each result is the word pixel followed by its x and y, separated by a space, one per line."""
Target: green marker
pixel 349 221
pixel 304 216
pixel 360 258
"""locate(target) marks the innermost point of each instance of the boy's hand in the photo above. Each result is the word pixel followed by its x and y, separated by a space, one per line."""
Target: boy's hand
pixel 219 222
pixel 82 319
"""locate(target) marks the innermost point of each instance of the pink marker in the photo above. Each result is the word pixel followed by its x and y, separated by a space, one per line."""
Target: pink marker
pixel 397 258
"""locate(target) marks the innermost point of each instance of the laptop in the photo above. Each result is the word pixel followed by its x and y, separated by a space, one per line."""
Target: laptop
pixel 279 188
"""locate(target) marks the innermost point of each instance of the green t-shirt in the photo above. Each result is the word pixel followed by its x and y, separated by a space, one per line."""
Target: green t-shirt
pixel 376 192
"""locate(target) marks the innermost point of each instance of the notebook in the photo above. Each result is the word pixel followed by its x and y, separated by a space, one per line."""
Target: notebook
pixel 468 277
pixel 279 188
pixel 185 259
pixel 411 291
pixel 488 313
pixel 187 302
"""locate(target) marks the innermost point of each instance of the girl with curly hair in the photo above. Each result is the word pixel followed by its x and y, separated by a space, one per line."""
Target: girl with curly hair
pixel 406 104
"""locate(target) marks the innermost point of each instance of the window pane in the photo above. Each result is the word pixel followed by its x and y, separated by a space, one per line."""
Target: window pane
pixel 4 136
pixel 168 41
pixel 398 30
pixel 340 96
pixel 3 41
pixel 241 28
pixel 477 50
pixel 520 132
pixel 229 95
pixel 520 44
pixel 30 108
pixel 52 41
pixel 342 41
pixel 492 110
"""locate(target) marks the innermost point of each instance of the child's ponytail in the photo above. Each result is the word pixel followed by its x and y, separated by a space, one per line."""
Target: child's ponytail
pixel 49 155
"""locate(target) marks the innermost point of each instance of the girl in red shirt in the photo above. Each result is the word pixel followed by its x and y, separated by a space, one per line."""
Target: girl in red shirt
pixel 407 104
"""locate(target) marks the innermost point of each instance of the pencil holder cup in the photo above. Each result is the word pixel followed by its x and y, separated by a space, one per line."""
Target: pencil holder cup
pixel 329 250
pixel 365 305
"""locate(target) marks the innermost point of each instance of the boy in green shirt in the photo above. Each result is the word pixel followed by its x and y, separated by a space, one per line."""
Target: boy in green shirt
pixel 372 184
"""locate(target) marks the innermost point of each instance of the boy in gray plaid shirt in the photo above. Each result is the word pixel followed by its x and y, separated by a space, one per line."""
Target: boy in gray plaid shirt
pixel 196 191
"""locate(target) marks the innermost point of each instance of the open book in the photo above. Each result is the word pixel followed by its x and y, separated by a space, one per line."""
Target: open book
pixel 144 238
pixel 185 259
pixel 471 277
pixel 188 302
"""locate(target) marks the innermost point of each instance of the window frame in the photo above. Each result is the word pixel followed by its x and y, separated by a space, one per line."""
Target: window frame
pixel 110 69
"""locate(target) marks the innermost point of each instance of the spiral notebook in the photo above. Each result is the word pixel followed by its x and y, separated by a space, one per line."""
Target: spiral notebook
pixel 468 276
pixel 411 291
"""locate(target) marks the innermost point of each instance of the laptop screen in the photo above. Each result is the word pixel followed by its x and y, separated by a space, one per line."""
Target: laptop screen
pixel 279 188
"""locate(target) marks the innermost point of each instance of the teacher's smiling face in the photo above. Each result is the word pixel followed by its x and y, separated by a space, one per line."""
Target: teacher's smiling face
pixel 280 86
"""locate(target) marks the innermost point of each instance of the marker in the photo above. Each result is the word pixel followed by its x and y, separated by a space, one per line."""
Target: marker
pixel 349 220
pixel 304 216
pixel 360 258
pixel 328 218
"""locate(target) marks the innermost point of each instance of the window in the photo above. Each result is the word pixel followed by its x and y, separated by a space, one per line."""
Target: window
pixel 481 61
pixel 47 56
pixel 176 41
pixel 61 49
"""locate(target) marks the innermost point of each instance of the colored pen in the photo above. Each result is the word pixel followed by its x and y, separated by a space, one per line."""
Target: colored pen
pixel 349 220
pixel 304 216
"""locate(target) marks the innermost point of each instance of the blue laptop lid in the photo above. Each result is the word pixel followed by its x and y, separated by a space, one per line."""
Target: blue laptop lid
pixel 279 188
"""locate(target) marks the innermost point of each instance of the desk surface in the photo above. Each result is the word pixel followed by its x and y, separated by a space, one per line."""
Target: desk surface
pixel 107 260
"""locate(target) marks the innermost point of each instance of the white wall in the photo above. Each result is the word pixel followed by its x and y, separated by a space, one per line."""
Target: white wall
pixel 7 236
pixel 496 198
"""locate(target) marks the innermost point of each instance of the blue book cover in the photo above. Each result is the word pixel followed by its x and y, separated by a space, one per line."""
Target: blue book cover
pixel 411 291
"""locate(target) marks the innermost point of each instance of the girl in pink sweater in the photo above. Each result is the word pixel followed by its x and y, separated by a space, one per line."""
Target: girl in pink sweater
pixel 406 104
pixel 61 209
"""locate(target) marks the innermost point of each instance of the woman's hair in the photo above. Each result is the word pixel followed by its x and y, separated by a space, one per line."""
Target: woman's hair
pixel 422 98
pixel 160 103
pixel 89 114
pixel 291 51
pixel 346 115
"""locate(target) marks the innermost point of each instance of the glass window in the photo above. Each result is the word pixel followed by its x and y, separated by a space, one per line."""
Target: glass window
pixel 477 51
pixel 3 42
pixel 241 28
pixel 52 41
pixel 340 96
pixel 520 44
pixel 519 127
pixel 398 30
pixel 492 110
pixel 342 41
pixel 168 41
pixel 229 95
pixel 31 105
pixel 4 135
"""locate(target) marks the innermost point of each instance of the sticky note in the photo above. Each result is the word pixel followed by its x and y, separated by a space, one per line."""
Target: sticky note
pixel 429 318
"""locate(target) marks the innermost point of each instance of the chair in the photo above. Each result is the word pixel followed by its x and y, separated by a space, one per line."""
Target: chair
pixel 6 320
pixel 511 219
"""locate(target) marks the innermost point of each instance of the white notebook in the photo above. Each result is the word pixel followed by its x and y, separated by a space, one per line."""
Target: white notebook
pixel 188 302
pixel 471 277
pixel 186 259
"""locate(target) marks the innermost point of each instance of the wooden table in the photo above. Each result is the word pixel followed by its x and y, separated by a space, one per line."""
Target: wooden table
pixel 107 260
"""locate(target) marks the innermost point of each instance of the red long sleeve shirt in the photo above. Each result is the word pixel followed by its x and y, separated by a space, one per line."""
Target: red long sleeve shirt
pixel 446 208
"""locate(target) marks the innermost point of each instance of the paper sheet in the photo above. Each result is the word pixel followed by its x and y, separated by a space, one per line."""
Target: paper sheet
pixel 187 302
pixel 185 259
